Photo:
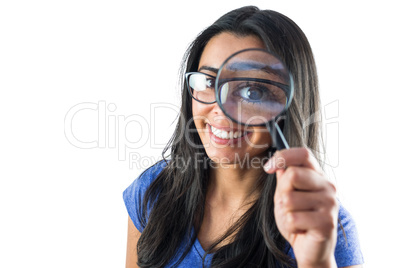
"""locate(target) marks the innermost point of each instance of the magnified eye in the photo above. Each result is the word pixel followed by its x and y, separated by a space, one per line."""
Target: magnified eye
pixel 255 92
pixel 251 93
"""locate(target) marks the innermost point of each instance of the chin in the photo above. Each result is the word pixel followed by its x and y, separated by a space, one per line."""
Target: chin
pixel 224 158
pixel 244 159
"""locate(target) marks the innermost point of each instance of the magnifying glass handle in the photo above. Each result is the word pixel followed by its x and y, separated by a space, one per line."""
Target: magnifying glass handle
pixel 277 136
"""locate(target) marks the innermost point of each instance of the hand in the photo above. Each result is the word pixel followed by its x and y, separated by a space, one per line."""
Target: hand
pixel 305 207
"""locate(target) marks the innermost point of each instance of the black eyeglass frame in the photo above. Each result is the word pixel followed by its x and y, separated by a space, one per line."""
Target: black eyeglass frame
pixel 189 88
pixel 284 87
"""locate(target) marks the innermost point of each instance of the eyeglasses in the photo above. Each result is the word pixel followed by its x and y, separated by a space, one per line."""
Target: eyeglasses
pixel 252 90
pixel 201 87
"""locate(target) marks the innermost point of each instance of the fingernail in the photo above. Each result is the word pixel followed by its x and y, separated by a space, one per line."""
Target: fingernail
pixel 268 167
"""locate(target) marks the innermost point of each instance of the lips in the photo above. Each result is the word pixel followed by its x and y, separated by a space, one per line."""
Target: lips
pixel 225 135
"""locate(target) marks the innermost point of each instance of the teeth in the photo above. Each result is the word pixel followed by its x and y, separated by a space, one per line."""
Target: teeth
pixel 227 135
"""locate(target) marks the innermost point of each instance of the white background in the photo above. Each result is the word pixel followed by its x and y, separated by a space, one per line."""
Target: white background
pixel 61 206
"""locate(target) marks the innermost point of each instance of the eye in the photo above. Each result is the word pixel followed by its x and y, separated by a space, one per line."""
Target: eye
pixel 200 82
pixel 209 82
pixel 251 93
pixel 257 93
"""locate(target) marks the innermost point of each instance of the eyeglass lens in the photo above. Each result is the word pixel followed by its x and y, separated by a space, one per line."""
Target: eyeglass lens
pixel 202 87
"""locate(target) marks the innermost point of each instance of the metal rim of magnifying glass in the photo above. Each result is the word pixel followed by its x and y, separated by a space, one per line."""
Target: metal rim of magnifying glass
pixel 217 89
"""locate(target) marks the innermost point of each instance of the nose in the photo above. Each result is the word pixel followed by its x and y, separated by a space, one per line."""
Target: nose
pixel 216 109
pixel 218 116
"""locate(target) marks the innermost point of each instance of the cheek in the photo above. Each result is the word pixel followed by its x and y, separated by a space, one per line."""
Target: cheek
pixel 200 111
pixel 262 137
pixel 198 114
pixel 194 107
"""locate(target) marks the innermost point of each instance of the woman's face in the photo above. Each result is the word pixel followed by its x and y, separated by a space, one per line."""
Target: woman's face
pixel 217 132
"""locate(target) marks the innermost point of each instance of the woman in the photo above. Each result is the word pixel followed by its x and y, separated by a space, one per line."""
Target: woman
pixel 205 206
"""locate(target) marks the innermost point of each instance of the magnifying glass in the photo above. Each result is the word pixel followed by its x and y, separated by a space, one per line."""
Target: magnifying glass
pixel 254 88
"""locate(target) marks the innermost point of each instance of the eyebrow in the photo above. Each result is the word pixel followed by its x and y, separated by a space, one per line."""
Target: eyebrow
pixel 251 65
pixel 208 68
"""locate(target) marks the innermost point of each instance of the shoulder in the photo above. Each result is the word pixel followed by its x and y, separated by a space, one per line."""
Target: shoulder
pixel 134 193
pixel 147 177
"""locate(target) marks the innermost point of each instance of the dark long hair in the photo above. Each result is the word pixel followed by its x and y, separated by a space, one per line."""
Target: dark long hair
pixel 177 195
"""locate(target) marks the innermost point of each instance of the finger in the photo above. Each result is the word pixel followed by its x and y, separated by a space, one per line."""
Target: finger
pixel 302 179
pixel 301 157
pixel 304 201
pixel 297 222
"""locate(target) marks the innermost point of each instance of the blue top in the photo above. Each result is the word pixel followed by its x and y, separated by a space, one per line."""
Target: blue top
pixel 346 254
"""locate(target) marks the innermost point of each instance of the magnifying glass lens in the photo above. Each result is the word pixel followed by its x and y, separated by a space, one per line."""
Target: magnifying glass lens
pixel 254 87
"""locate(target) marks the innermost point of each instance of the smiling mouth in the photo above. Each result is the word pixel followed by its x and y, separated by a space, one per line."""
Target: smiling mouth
pixel 227 135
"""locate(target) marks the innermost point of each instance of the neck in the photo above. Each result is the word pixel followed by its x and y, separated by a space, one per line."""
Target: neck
pixel 232 185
